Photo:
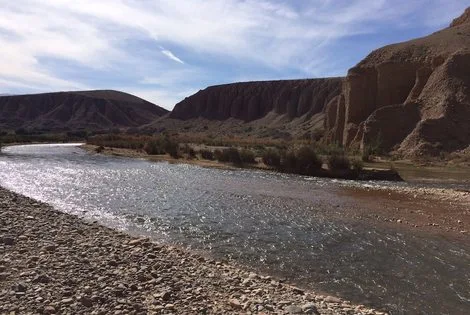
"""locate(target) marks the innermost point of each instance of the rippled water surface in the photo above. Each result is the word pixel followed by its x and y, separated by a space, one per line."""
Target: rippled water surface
pixel 290 226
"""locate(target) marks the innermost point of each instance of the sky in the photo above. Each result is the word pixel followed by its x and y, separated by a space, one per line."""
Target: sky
pixel 165 50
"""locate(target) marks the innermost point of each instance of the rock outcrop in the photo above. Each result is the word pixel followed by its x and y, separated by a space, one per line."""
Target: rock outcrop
pixel 412 97
pixel 90 110
pixel 249 101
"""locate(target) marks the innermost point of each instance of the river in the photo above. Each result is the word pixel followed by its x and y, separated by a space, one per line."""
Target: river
pixel 285 225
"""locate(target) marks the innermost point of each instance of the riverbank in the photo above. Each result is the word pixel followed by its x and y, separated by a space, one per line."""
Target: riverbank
pixel 52 262
pixel 324 172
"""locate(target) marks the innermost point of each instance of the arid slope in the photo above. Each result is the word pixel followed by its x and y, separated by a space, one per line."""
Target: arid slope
pixel 91 110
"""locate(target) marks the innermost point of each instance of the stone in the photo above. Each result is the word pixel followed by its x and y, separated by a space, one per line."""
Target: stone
pixel 166 296
pixel 21 287
pixel 332 299
pixel 67 301
pixel 293 309
pixel 8 240
pixel 310 308
pixel 86 301
pixel 49 309
pixel 235 304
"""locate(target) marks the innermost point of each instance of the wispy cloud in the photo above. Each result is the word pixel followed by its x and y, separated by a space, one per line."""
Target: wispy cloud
pixel 61 44
pixel 170 55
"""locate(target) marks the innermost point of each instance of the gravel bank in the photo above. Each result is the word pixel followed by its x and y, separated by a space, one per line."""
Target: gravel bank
pixel 55 263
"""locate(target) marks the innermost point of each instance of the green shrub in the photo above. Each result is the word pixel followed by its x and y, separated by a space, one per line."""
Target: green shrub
pixel 338 162
pixel 171 147
pixel 247 156
pixel 191 153
pixel 207 155
pixel 308 163
pixel 228 155
pixel 357 165
pixel 271 157
pixel 289 161
pixel 153 147
pixel 218 155
pixel 233 156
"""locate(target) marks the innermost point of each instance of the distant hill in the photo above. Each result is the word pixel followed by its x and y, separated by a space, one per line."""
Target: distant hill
pixel 92 110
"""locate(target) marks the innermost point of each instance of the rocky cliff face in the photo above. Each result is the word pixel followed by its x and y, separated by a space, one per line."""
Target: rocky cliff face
pixel 249 101
pixel 76 110
pixel 412 97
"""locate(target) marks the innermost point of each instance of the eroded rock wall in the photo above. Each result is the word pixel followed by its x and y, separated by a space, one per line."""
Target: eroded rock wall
pixel 414 96
pixel 250 101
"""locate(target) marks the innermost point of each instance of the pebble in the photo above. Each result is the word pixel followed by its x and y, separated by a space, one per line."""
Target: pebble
pixel 63 265
pixel 293 309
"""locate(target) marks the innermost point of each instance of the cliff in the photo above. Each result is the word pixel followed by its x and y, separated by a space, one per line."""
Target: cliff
pixel 249 101
pixel 76 110
pixel 412 97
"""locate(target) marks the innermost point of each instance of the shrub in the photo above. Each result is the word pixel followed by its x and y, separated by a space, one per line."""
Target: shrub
pixel 218 155
pixel 228 155
pixel 233 156
pixel 357 165
pixel 171 147
pixel 271 157
pixel 191 153
pixel 153 147
pixel 247 156
pixel 338 162
pixel 207 155
pixel 99 149
pixel 308 163
pixel 289 161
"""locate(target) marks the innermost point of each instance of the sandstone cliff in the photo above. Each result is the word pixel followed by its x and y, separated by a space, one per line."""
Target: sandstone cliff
pixel 412 97
pixel 249 101
pixel 76 110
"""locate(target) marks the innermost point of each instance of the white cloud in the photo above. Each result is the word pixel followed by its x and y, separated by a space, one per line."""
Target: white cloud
pixel 99 37
pixel 170 55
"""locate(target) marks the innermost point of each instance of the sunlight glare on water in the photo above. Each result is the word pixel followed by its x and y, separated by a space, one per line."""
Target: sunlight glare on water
pixel 277 223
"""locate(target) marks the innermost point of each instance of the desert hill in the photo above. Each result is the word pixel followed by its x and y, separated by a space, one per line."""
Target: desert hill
pixel 101 109
pixel 282 108
pixel 412 97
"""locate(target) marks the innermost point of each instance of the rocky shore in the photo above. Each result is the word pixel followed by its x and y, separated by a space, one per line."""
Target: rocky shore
pixel 55 263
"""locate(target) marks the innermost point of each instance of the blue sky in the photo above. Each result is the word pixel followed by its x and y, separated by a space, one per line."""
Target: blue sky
pixel 165 50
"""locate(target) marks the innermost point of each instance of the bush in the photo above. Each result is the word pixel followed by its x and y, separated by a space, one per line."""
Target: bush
pixel 308 163
pixel 153 147
pixel 228 155
pixel 207 155
pixel 99 149
pixel 171 147
pixel 289 161
pixel 233 156
pixel 338 162
pixel 218 155
pixel 271 157
pixel 247 157
pixel 191 153
pixel 357 165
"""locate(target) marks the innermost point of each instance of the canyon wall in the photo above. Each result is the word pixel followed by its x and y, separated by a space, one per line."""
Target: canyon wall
pixel 412 97
pixel 249 101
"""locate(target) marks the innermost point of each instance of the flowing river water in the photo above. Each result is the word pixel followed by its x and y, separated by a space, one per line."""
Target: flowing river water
pixel 285 225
